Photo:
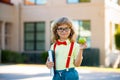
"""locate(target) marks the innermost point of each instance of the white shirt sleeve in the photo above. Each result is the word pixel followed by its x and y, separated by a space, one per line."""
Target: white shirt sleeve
pixel 76 50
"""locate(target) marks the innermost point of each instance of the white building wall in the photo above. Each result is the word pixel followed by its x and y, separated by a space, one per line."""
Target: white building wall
pixel 8 16
pixel 6 12
pixel 112 17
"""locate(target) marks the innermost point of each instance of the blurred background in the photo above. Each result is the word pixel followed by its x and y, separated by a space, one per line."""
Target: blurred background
pixel 25 35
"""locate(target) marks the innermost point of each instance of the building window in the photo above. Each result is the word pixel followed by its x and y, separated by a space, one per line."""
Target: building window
pixel 34 36
pixel 6 2
pixel 77 1
pixel 83 30
pixel 35 2
pixel 8 34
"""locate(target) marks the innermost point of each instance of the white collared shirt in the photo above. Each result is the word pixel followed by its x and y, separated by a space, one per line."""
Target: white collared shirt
pixel 61 54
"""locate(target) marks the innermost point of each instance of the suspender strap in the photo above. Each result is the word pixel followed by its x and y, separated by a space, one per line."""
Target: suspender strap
pixel 55 46
pixel 69 55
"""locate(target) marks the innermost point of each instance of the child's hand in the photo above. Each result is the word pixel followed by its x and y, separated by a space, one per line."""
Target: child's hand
pixel 49 64
pixel 83 46
pixel 82 42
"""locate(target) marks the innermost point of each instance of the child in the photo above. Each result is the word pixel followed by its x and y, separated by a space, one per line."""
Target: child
pixel 68 53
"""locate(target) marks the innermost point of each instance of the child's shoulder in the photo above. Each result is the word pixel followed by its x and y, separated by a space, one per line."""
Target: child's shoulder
pixel 76 44
pixel 52 45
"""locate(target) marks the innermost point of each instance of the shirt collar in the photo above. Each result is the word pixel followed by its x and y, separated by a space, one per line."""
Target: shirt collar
pixel 68 41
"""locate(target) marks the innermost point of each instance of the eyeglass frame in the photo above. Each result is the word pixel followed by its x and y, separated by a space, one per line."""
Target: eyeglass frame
pixel 63 29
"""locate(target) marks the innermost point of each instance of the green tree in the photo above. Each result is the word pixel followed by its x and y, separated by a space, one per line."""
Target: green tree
pixel 117 38
pixel 117 44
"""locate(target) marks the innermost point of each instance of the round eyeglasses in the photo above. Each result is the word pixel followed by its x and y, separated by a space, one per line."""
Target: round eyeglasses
pixel 63 29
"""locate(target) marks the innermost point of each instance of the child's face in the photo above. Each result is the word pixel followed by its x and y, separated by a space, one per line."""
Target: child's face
pixel 63 31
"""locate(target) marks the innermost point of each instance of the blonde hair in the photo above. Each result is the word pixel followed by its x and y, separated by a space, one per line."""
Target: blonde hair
pixel 59 22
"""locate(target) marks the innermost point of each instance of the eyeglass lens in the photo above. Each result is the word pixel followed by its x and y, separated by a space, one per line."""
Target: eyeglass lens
pixel 63 29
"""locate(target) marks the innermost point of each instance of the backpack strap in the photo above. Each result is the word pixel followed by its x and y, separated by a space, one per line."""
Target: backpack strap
pixel 54 56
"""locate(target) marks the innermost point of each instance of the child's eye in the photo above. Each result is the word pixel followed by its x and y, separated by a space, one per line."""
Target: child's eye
pixel 63 29
pixel 60 29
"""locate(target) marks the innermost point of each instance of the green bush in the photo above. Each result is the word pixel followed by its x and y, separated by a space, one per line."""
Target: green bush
pixel 43 57
pixel 35 58
pixel 11 57
pixel 117 41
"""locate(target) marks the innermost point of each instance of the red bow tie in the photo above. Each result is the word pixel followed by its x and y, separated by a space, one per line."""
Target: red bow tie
pixel 61 43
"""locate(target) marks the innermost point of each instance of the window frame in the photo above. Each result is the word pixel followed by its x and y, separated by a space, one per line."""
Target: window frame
pixel 35 39
pixel 35 3
pixel 78 1
pixel 80 24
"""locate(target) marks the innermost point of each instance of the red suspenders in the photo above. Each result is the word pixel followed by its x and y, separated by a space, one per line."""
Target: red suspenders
pixel 55 46
pixel 69 54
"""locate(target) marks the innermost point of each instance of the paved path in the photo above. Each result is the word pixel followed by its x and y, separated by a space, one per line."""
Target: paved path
pixel 40 72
